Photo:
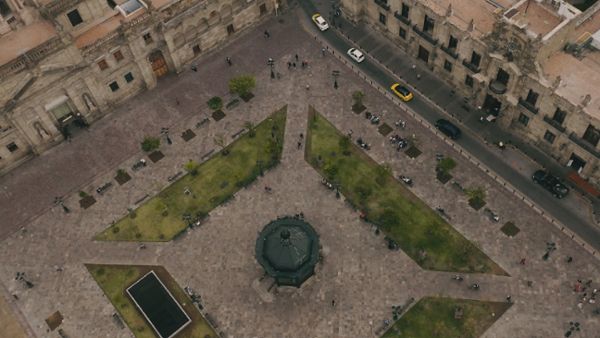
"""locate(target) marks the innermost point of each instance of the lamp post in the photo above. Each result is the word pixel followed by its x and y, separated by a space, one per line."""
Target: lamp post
pixel 271 63
pixel 335 75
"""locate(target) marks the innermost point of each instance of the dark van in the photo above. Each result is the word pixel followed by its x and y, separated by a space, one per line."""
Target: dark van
pixel 448 128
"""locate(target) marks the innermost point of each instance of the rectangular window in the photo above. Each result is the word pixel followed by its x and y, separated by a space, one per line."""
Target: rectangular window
pixel 502 76
pixel 428 25
pixel 524 119
pixel 118 56
pixel 230 29
pixel 4 9
pixel 102 64
pixel 548 136
pixel 423 54
pixel 382 18
pixel 448 66
pixel 452 42
pixel 559 115
pixel 532 97
pixel 592 135
pixel 196 49
pixel 402 32
pixel 12 147
pixel 74 17
pixel 469 81
pixel 475 59
pixel 114 86
pixel 263 9
pixel 128 77
pixel 148 38
pixel 405 10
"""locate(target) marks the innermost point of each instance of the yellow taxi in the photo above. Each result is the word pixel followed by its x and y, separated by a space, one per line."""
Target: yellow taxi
pixel 402 92
pixel 320 22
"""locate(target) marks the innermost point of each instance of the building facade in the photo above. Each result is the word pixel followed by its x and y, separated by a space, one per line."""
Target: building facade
pixel 66 63
pixel 533 64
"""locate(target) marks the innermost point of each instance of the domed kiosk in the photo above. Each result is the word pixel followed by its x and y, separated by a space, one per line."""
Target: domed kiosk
pixel 288 250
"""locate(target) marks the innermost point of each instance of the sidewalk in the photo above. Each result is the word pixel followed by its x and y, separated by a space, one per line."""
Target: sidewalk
pixel 524 157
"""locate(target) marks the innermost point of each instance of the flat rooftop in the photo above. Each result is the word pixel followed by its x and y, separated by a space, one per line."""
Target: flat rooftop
pixel 539 18
pixel 103 27
pixel 18 42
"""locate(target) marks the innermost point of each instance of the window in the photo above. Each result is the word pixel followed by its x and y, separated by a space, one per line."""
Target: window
pixel 523 119
pixel 502 76
pixel 74 17
pixel 402 32
pixel 111 4
pixel 469 81
pixel 382 18
pixel 592 135
pixel 102 64
pixel 12 147
pixel 475 59
pixel 196 49
pixel 452 42
pixel 128 77
pixel 448 66
pixel 532 97
pixel 230 29
pixel 559 115
pixel 548 136
pixel 4 9
pixel 148 38
pixel 428 25
pixel 405 10
pixel 423 54
pixel 263 9
pixel 118 56
pixel 114 86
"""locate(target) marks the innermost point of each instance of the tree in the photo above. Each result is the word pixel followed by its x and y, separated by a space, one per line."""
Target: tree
pixel 220 141
pixel 358 96
pixel 382 172
pixel 215 103
pixel 345 145
pixel 242 85
pixel 476 194
pixel 331 171
pixel 251 129
pixel 191 167
pixel 150 143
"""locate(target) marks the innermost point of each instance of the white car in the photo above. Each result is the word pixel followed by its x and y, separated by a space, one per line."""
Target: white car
pixel 320 22
pixel 356 55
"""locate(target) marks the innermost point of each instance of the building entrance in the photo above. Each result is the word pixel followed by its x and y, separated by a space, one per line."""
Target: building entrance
pixel 159 65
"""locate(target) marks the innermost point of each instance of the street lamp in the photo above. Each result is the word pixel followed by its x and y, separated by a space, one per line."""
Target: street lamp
pixel 271 63
pixel 335 75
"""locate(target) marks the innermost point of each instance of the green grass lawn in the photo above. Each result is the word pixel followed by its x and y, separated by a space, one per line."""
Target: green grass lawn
pixel 418 230
pixel 160 219
pixel 114 279
pixel 435 317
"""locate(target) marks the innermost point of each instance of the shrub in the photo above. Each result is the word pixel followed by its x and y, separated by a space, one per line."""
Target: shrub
pixel 150 143
pixel 83 194
pixel 191 167
pixel 446 164
pixel 358 96
pixel 242 85
pixel 215 103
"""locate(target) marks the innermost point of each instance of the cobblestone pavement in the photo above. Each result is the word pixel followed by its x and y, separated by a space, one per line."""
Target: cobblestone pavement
pixel 216 260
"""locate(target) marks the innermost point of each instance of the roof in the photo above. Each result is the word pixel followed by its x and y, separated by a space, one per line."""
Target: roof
pixel 18 42
pixel 103 27
pixel 539 18
pixel 288 250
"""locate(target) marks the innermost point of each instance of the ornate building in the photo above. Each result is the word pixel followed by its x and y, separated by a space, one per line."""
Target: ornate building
pixel 534 64
pixel 65 63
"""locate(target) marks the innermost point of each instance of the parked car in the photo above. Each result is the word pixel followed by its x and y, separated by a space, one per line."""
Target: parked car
pixel 356 55
pixel 402 92
pixel 320 22
pixel 448 128
pixel 550 183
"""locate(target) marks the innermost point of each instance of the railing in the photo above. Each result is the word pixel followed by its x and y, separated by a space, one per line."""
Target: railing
pixel 450 51
pixel 497 87
pixel 528 105
pixel 383 4
pixel 584 144
pixel 137 21
pixel 404 19
pixel 59 6
pixel 102 42
pixel 473 68
pixel 32 56
pixel 425 35
pixel 554 124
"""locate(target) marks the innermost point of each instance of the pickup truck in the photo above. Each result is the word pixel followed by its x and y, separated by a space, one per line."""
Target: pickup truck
pixel 550 183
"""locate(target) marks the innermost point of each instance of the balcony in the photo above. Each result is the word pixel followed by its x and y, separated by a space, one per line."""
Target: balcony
pixel 383 4
pixel 554 124
pixel 497 87
pixel 470 66
pixel 528 105
pixel 452 52
pixel 425 35
pixel 584 144
pixel 399 16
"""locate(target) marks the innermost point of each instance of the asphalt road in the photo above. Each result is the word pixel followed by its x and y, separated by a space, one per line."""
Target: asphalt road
pixel 470 141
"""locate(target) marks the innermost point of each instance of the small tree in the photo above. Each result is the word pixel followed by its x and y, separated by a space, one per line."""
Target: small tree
pixel 251 129
pixel 358 96
pixel 215 103
pixel 150 143
pixel 331 171
pixel 220 141
pixel 345 145
pixel 382 172
pixel 242 85
pixel 476 194
pixel 191 167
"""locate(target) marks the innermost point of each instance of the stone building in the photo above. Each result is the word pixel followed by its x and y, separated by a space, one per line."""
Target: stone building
pixel 534 64
pixel 66 63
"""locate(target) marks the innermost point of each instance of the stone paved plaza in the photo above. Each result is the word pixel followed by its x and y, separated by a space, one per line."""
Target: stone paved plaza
pixel 217 259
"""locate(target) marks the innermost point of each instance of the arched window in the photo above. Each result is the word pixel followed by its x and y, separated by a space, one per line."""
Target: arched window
pixel 111 4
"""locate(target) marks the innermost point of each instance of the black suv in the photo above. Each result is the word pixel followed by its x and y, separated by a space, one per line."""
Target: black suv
pixel 448 128
pixel 550 183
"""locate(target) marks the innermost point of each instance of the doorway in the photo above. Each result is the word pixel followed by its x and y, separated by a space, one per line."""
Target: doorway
pixel 576 163
pixel 159 65
pixel 492 105
pixel 423 54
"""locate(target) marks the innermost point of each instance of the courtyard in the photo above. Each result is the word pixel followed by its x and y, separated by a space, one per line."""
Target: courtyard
pixel 358 271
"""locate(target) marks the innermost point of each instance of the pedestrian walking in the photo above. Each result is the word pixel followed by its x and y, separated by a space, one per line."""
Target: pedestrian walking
pixel 413 67
pixel 267 34
pixel 299 144
pixel 522 262
pixel 418 76
pixel 289 65
pixel 301 136
pixel 228 60
pixel 569 259
pixel 194 68
pixel 508 298
pixel 294 64
pixel 296 57
pixel 307 87
pixel 333 303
